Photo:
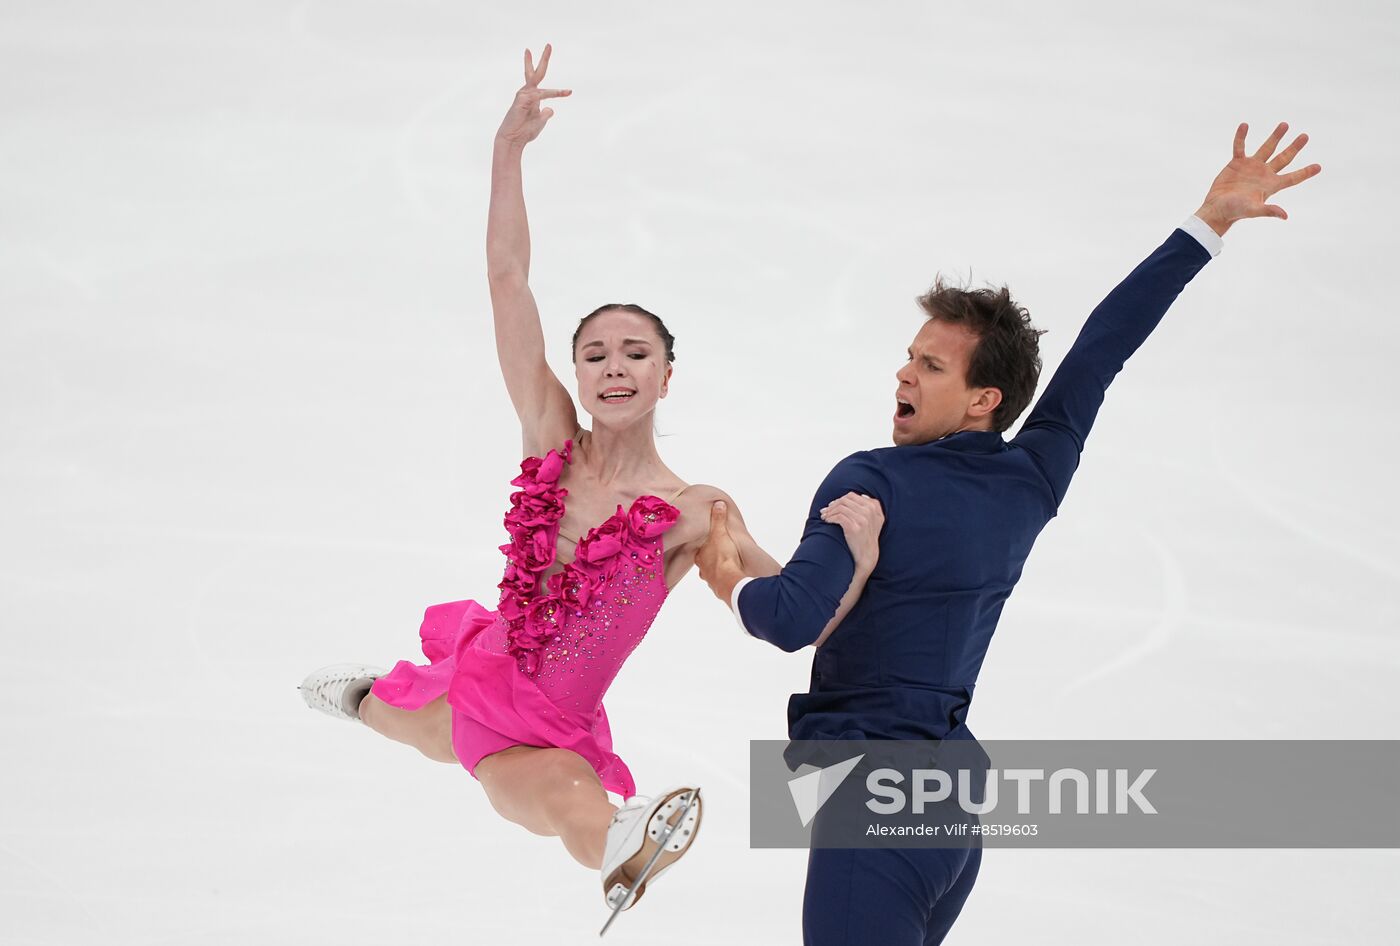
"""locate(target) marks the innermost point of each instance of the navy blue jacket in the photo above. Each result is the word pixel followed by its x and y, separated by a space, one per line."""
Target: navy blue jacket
pixel 961 515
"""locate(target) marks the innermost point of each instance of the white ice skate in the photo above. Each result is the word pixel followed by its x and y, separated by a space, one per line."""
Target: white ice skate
pixel 337 690
pixel 664 825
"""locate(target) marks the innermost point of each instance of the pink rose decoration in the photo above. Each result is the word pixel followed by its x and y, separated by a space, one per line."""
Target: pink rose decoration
pixel 573 587
pixel 542 621
pixel 529 467
pixel 536 552
pixel 518 580
pixel 602 541
pixel 550 467
pixel 510 608
pixel 538 475
pixel 650 516
pixel 532 620
pixel 532 511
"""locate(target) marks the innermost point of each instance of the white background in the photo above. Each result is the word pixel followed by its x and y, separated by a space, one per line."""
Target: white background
pixel 253 424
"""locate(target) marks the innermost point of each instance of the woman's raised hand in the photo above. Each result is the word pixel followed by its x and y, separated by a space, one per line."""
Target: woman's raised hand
pixel 526 119
pixel 860 518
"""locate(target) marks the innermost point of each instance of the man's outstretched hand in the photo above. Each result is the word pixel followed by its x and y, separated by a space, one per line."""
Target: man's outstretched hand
pixel 1243 188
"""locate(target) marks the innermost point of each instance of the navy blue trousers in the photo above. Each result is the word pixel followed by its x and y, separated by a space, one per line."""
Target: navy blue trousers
pixel 885 896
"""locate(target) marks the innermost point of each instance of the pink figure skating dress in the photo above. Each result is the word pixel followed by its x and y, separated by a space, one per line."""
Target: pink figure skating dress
pixel 534 671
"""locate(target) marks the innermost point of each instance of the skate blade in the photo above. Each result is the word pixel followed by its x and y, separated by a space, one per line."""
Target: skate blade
pixel 665 858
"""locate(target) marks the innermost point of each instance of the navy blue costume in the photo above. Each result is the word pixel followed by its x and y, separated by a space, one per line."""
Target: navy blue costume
pixel 961 515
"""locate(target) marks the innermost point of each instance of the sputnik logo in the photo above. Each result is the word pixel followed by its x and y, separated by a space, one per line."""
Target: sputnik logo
pixel 811 791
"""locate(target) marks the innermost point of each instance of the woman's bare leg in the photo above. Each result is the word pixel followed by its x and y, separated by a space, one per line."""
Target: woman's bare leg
pixel 429 730
pixel 550 792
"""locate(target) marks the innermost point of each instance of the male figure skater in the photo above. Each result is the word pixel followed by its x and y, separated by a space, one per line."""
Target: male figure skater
pixel 962 508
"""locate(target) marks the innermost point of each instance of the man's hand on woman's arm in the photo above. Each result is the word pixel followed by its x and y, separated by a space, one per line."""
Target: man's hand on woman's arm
pixel 720 564
pixel 730 553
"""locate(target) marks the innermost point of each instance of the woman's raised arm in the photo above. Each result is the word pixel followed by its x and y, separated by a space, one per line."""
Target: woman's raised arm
pixel 546 412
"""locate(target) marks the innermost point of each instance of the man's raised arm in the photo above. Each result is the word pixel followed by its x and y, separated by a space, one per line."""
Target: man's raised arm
pixel 1056 428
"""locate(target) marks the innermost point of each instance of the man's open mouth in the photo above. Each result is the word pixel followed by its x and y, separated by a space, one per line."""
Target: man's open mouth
pixel 903 409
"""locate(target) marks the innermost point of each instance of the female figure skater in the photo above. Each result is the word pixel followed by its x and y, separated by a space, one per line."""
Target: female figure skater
pixel 600 531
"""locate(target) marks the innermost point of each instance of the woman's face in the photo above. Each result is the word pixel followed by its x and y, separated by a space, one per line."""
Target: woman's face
pixel 621 366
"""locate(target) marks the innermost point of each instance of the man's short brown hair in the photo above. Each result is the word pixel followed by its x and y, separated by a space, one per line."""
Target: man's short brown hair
pixel 1007 356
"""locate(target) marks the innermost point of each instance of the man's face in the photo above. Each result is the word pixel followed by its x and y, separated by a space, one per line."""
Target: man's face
pixel 933 399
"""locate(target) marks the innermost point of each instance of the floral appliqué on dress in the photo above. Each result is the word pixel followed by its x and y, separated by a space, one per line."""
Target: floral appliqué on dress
pixel 534 619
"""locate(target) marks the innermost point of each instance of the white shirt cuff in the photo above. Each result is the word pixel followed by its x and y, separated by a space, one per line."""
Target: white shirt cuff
pixel 734 603
pixel 1204 235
